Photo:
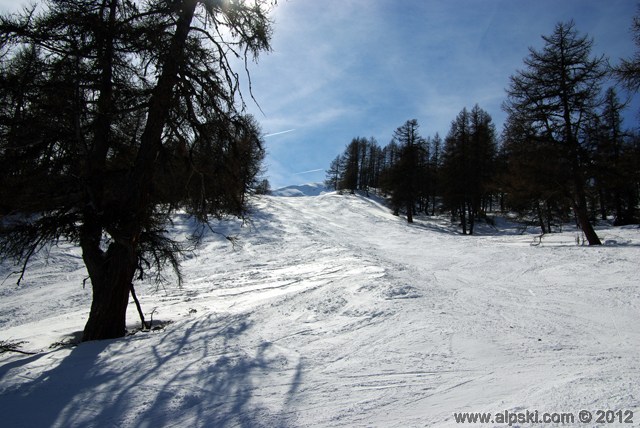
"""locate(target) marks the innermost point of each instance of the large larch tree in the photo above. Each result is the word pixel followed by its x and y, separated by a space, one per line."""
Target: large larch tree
pixel 555 94
pixel 114 115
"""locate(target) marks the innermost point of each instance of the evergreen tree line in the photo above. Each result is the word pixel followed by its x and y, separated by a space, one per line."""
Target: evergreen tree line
pixel 562 154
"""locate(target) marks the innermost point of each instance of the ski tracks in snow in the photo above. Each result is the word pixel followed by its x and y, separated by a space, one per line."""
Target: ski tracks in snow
pixel 330 311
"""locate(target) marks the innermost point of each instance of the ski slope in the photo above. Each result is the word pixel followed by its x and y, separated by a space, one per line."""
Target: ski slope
pixel 329 311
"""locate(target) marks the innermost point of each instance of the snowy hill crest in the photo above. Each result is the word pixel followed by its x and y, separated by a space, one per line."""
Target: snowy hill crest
pixel 311 189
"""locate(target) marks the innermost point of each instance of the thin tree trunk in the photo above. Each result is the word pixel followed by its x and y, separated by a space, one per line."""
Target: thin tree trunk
pixel 583 219
pixel 603 205
pixel 620 217
pixel 140 313
pixel 540 218
pixel 549 216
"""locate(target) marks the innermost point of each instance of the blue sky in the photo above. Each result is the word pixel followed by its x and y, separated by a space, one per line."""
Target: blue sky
pixel 347 68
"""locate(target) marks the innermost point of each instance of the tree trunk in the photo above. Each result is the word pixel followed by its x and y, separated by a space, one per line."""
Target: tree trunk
pixel 409 212
pixel 620 217
pixel 111 275
pixel 580 201
pixel 540 218
pixel 549 212
pixel 159 107
pixel 580 205
pixel 603 205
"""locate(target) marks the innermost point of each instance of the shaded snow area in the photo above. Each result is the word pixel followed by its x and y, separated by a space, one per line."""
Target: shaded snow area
pixel 329 311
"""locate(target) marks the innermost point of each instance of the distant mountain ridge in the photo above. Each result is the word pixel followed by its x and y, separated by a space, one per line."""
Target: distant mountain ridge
pixel 309 189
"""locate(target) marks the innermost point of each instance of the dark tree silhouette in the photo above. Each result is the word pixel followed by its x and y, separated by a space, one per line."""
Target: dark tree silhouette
pixel 614 184
pixel 357 168
pixel 628 71
pixel 533 179
pixel 555 94
pixel 468 165
pixel 114 114
pixel 403 175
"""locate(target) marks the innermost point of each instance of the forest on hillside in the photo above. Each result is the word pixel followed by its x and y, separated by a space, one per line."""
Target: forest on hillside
pixel 562 155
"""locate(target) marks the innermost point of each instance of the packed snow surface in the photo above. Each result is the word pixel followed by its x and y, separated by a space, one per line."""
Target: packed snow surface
pixel 329 311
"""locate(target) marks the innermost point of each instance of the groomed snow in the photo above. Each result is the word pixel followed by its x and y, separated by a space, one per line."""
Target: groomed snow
pixel 330 311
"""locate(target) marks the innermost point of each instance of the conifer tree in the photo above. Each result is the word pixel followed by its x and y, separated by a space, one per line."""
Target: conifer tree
pixel 555 94
pixel 403 174
pixel 113 115
pixel 468 162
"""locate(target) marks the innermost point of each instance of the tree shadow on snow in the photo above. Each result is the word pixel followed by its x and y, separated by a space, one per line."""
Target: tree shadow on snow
pixel 38 401
pixel 201 375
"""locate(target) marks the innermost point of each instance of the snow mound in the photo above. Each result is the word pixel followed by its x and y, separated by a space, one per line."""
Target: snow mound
pixel 311 189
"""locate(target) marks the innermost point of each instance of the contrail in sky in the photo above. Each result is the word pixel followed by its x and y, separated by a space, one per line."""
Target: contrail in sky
pixel 308 172
pixel 278 133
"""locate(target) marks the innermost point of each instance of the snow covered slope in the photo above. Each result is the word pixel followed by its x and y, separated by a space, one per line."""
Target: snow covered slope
pixel 329 311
